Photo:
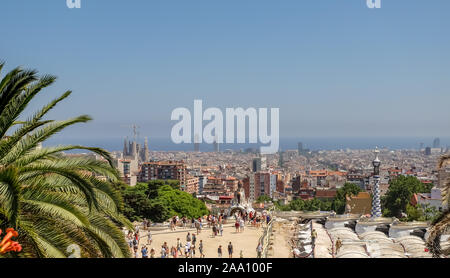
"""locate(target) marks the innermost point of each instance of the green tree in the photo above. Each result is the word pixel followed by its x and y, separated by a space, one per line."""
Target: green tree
pixel 297 205
pixel 137 202
pixel 263 198
pixel 399 194
pixel 414 213
pixel 53 200
pixel 159 200
pixel 349 189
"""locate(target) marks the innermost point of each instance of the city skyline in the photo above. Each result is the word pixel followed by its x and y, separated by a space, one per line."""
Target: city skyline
pixel 309 143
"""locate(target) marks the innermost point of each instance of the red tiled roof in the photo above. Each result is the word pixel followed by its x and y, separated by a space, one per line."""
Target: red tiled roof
pixel 326 193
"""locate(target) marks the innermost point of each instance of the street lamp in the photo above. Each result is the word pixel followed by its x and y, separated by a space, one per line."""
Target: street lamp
pixel 376 205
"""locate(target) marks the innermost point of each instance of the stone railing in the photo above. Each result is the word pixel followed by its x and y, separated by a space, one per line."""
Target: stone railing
pixel 265 238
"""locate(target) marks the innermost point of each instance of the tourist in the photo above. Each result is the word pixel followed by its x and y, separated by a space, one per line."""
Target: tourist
pixel 230 250
pixel 163 252
pixel 184 221
pixel 130 241
pixel 209 220
pixel 313 238
pixel 166 248
pixel 144 224
pixel 193 222
pixel 173 224
pixel 192 251
pixel 214 231
pixel 338 245
pixel 219 251
pixel 200 249
pixel 241 254
pixel 194 239
pixel 144 252
pixel 188 237
pixel 241 225
pixel 187 249
pixel 149 238
pixel 179 246
pixel 221 229
pixel 259 250
pixel 174 252
pixel 135 244
pixel 197 226
pixel 152 253
pixel 236 225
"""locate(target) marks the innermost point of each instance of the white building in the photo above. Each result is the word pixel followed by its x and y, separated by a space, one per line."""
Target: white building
pixel 433 199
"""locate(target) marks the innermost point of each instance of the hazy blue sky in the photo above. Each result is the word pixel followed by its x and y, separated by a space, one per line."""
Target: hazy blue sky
pixel 334 68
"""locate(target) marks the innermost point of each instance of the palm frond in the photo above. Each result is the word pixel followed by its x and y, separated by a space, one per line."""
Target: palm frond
pixel 9 194
pixel 54 200
pixel 31 141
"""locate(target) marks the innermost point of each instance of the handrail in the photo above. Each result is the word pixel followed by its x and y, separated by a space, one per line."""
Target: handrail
pixel 332 245
pixel 268 230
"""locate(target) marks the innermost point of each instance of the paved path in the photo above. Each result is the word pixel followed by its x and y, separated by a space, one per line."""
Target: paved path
pixel 282 233
pixel 245 241
pixel 323 248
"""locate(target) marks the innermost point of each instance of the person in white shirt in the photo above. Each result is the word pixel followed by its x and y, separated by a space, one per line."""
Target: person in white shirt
pixel 187 249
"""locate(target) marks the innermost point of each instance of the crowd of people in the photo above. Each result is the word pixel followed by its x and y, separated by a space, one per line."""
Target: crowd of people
pixel 193 248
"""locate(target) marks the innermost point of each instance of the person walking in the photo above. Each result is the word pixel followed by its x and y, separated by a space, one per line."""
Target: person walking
pixel 194 239
pixel 313 238
pixel 214 230
pixel 179 246
pixel 152 253
pixel 136 236
pixel 144 252
pixel 188 237
pixel 197 226
pixel 163 252
pixel 187 249
pixel 135 244
pixel 236 225
pixel 241 225
pixel 166 250
pixel 259 250
pixel 144 224
pixel 230 250
pixel 192 251
pixel 221 229
pixel 174 252
pixel 172 224
pixel 219 251
pixel 149 238
pixel 338 245
pixel 200 249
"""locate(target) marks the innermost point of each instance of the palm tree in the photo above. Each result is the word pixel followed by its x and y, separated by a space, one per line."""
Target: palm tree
pixel 53 200
pixel 441 224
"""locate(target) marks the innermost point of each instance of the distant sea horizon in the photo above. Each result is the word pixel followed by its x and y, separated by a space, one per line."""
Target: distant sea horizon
pixel 288 143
